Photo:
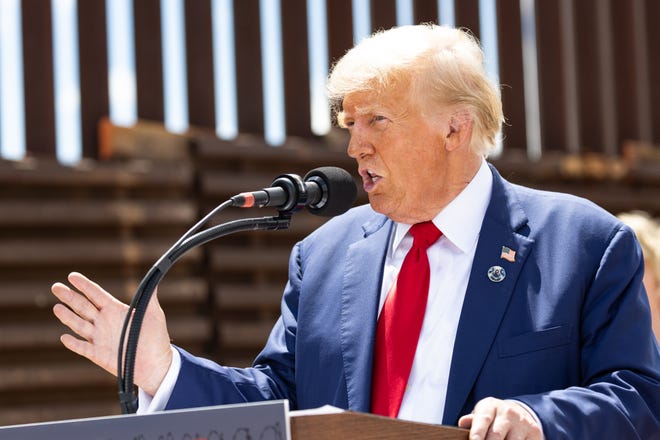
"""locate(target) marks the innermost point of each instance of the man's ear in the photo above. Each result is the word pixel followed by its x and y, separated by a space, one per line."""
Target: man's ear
pixel 460 130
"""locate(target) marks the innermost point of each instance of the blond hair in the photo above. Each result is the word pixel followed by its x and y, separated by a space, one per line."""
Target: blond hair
pixel 441 66
pixel 647 231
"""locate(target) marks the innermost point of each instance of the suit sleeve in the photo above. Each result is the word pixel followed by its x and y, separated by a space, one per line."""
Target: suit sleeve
pixel 202 382
pixel 619 393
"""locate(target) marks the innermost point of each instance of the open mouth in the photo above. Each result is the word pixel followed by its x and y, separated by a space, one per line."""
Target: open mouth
pixel 370 179
pixel 373 176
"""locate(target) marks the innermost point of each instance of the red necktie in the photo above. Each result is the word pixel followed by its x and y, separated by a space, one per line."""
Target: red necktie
pixel 400 324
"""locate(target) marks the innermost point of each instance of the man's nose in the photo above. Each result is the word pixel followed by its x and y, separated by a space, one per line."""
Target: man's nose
pixel 359 145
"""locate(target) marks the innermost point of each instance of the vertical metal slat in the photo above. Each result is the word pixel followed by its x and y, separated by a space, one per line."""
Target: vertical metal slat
pixel 425 11
pixel 38 78
pixel 511 74
pixel 467 15
pixel 551 84
pixel 383 14
pixel 199 63
pixel 589 74
pixel 340 28
pixel 653 42
pixel 148 60
pixel 94 100
pixel 249 83
pixel 295 44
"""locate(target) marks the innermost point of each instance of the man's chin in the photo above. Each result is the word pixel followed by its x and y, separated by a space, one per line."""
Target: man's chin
pixel 397 213
pixel 379 204
pixel 376 203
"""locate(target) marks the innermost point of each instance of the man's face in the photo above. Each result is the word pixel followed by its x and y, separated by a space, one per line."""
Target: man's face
pixel 400 155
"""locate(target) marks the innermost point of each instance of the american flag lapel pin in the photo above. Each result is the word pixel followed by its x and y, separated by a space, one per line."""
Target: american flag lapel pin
pixel 508 254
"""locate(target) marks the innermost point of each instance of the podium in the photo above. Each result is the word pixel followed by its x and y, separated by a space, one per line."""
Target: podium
pixel 359 426
pixel 263 420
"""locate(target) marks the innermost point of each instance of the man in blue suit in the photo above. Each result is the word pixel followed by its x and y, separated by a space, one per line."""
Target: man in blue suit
pixel 535 324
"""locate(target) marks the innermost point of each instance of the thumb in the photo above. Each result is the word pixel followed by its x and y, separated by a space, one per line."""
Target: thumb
pixel 154 304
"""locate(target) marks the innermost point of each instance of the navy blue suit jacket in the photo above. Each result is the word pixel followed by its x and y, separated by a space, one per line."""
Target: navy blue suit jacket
pixel 567 331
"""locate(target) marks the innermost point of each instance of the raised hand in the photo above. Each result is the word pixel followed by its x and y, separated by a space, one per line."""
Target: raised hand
pixel 97 317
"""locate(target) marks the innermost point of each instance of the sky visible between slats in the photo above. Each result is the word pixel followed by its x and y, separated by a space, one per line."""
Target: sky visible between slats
pixel 532 100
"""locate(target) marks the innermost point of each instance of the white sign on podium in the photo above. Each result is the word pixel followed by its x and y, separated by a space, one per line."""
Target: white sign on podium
pixel 250 421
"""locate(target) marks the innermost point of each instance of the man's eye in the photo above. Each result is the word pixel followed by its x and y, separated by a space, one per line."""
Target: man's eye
pixel 378 118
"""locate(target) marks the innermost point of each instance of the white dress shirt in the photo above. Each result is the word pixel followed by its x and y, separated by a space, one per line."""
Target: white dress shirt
pixel 450 259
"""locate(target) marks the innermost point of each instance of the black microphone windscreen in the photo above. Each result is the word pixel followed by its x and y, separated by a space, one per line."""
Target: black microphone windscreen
pixel 341 191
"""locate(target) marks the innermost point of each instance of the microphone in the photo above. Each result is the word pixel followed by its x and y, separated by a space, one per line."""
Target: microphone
pixel 325 191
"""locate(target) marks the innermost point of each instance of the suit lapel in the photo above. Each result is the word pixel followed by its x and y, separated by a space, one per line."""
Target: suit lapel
pixel 486 300
pixel 359 309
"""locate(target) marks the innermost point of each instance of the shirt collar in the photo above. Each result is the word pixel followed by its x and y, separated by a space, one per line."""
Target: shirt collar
pixel 460 221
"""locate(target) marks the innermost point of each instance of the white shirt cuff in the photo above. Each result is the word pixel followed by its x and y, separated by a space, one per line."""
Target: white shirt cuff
pixel 148 404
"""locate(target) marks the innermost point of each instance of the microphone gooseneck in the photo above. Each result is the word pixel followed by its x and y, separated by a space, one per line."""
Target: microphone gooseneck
pixel 325 191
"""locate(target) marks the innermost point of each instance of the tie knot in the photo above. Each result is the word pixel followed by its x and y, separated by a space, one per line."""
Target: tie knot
pixel 424 234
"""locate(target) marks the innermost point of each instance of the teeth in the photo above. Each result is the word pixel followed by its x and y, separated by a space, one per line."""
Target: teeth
pixel 374 177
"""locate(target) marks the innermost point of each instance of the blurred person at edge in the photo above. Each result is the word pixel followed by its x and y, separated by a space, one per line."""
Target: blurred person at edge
pixel 536 323
pixel 647 231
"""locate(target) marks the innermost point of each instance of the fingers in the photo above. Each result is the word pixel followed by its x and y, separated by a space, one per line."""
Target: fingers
pixel 76 345
pixel 96 319
pixel 87 350
pixel 465 422
pixel 75 301
pixel 482 418
pixel 78 325
pixel 95 293
pixel 494 419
